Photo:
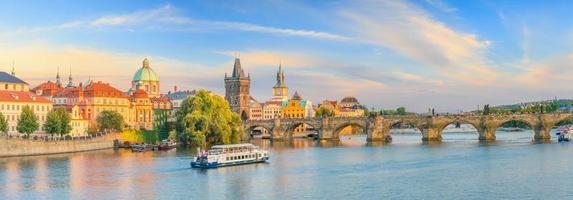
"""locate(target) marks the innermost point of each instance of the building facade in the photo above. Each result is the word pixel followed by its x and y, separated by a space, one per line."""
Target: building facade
pixel 237 90
pixel 14 96
pixel 79 124
pixel 97 97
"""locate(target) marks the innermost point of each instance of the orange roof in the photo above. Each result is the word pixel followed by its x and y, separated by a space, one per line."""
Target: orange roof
pixel 99 89
pixel 274 102
pixel 140 94
pixel 160 100
pixel 48 88
pixel 24 97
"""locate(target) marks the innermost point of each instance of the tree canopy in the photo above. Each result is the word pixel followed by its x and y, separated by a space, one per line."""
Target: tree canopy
pixel 206 119
pixel 3 123
pixel 58 122
pixel 324 112
pixel 110 120
pixel 28 122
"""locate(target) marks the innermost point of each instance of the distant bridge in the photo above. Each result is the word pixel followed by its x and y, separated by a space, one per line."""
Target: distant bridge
pixel 378 128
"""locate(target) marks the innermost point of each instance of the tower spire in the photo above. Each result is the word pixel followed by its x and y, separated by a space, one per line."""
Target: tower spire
pixel 58 82
pixel 70 83
pixel 13 69
pixel 237 69
pixel 146 62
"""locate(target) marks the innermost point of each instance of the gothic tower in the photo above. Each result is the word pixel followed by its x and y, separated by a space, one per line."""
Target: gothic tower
pixel 237 90
pixel 280 90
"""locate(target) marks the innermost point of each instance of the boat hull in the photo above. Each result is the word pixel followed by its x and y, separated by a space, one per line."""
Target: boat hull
pixel 226 164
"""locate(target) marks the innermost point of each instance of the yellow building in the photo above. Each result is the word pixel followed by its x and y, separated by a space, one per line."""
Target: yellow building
pixel 14 96
pixel 97 97
pixel 78 123
pixel 295 109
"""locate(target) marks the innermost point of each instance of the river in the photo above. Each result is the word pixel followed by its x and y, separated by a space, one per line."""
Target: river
pixel 458 168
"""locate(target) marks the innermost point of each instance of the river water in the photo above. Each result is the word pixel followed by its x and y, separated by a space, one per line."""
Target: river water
pixel 458 168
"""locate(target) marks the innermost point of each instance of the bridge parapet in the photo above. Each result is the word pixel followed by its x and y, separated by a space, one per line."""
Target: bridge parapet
pixel 378 128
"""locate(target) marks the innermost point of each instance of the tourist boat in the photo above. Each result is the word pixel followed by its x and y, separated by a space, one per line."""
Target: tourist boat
pixel 229 155
pixel 167 145
pixel 565 133
pixel 141 147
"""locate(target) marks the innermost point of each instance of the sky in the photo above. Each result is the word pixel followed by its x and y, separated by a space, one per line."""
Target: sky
pixel 442 54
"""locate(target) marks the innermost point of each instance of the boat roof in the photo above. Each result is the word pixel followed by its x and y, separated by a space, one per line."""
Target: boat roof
pixel 232 145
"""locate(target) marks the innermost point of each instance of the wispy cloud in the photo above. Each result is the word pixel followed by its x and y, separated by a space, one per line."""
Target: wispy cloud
pixel 168 17
pixel 443 6
pixel 412 32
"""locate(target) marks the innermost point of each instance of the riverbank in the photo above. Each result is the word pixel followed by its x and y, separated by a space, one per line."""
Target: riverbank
pixel 25 147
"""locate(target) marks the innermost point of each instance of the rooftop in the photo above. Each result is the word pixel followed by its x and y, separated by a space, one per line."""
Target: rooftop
pixel 8 78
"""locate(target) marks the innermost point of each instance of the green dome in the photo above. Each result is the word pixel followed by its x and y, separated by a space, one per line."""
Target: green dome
pixel 145 73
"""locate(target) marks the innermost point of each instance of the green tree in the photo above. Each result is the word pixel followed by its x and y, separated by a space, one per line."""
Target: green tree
pixel 58 122
pixel 64 119
pixel 51 125
pixel 3 123
pixel 206 119
pixel 110 120
pixel 28 122
pixel 324 112
pixel 401 111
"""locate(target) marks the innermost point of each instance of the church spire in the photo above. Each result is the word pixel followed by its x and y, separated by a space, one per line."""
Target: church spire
pixel 280 77
pixel 58 82
pixel 237 69
pixel 145 63
pixel 13 69
pixel 70 83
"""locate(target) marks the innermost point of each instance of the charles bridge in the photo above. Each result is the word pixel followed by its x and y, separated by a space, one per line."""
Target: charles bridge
pixel 431 127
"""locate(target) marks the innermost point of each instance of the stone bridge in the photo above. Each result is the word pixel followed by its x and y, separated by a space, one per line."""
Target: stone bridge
pixel 431 127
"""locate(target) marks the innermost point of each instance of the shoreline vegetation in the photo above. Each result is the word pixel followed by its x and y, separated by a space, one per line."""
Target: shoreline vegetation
pixel 206 119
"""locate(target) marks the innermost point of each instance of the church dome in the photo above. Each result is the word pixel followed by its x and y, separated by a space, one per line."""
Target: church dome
pixel 349 99
pixel 145 73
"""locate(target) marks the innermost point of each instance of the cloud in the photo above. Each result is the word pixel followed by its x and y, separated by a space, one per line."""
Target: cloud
pixel 441 5
pixel 416 78
pixel 411 32
pixel 265 58
pixel 272 30
pixel 167 17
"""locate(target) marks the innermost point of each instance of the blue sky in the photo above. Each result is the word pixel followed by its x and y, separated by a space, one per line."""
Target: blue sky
pixel 449 55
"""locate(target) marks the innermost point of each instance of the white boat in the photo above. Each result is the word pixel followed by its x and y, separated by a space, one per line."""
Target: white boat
pixel 228 155
pixel 565 133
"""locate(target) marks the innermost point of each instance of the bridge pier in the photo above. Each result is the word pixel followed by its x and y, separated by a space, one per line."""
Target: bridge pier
pixel 431 134
pixel 377 132
pixel 486 133
pixel 277 134
pixel 542 134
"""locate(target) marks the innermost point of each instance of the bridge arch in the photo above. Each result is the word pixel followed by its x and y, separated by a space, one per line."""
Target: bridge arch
pixel 252 129
pixel 293 127
pixel 342 126
pixel 460 120
pixel 531 124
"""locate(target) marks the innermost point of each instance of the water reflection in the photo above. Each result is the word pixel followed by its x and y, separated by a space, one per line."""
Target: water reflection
pixel 301 168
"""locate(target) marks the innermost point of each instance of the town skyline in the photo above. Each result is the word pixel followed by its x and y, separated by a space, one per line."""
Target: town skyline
pixel 464 65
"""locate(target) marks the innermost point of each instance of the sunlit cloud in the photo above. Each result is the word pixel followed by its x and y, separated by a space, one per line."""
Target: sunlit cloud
pixel 413 33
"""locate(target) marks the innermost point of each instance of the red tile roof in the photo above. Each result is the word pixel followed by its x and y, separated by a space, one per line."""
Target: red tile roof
pixel 23 97
pixel 99 89
pixel 140 94
pixel 48 88
pixel 160 100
